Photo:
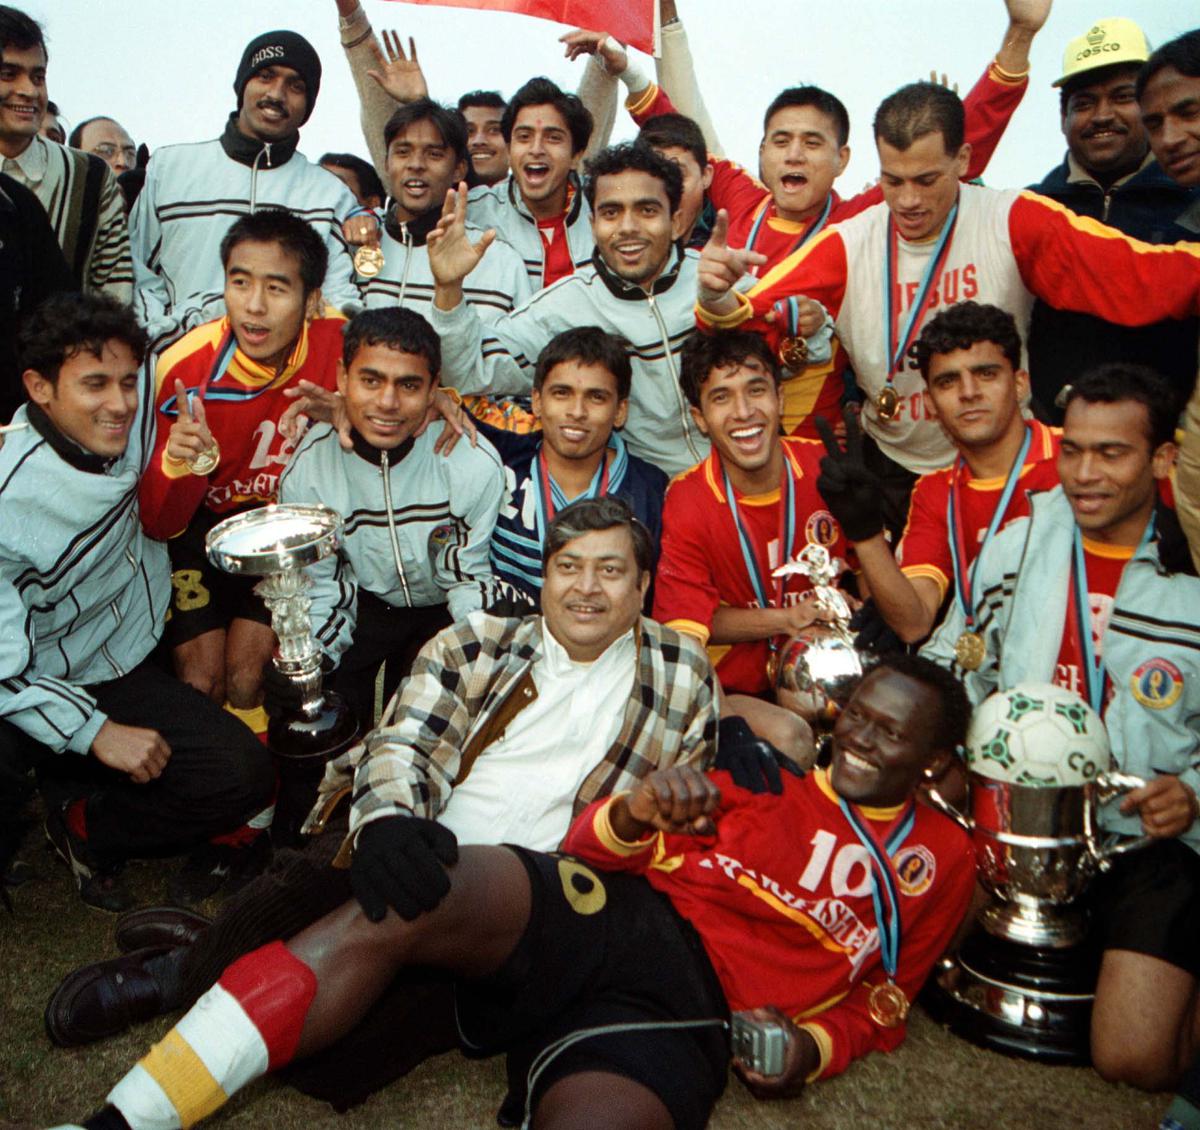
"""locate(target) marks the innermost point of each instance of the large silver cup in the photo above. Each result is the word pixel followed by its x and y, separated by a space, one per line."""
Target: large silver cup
pixel 817 670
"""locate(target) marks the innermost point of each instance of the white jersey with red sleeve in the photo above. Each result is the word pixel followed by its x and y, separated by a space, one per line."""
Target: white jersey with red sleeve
pixel 781 899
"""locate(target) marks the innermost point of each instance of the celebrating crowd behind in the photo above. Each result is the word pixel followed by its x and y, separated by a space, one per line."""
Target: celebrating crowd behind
pixel 585 412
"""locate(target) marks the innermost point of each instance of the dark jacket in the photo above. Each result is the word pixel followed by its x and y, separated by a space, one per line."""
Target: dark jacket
pixel 31 267
pixel 1063 345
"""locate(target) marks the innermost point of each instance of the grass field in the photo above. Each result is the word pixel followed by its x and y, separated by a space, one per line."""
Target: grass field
pixel 934 1082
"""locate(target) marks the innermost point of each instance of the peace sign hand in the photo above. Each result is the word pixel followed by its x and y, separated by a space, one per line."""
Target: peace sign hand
pixel 850 489
pixel 189 437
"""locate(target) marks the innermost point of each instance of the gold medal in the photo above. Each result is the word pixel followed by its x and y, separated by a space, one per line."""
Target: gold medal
pixel 887 1004
pixel 206 462
pixel 887 403
pixel 793 352
pixel 970 650
pixel 368 261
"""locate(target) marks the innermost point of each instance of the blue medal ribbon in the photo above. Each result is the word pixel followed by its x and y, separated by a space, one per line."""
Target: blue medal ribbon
pixel 964 578
pixel 885 896
pixel 760 219
pixel 787 536
pixel 549 495
pixel 894 348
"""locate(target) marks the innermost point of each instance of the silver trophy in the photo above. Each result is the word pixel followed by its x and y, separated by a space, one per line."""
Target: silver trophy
pixel 817 670
pixel 276 542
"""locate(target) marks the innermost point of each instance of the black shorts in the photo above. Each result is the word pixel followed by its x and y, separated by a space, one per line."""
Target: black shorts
pixel 204 597
pixel 1149 902
pixel 604 950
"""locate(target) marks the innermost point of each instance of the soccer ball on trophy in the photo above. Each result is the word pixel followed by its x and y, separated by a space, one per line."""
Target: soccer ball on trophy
pixel 1037 734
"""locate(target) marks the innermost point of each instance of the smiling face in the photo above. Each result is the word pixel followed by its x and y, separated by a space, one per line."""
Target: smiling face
pixel 633 225
pixel 485 143
pixel 541 159
pixel 421 167
pixel 1103 127
pixel 920 183
pixel 265 300
pixel 387 393
pixel 799 159
pixel 592 592
pixel 1171 115
pixel 94 400
pixel 578 408
pixel 22 97
pixel 273 104
pixel 882 740
pixel 739 412
pixel 1108 469
pixel 975 394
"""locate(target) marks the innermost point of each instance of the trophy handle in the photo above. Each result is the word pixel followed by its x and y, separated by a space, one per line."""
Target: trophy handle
pixel 947 809
pixel 1109 786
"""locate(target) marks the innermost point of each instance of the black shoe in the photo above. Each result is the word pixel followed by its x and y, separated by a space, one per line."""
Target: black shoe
pixel 99 886
pixel 159 926
pixel 103 999
pixel 211 867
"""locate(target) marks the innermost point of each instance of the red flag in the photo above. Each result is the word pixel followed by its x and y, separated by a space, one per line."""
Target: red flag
pixel 630 21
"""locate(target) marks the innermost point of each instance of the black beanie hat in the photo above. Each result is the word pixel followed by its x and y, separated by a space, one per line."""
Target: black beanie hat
pixel 282 49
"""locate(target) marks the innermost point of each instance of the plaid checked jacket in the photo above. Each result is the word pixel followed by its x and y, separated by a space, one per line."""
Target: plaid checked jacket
pixel 471 680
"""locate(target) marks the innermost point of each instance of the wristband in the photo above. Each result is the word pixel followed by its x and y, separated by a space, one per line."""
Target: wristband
pixel 635 79
pixel 1009 76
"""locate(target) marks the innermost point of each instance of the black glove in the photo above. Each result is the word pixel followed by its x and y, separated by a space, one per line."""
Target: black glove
pixel 753 762
pixel 851 491
pixel 401 862
pixel 873 631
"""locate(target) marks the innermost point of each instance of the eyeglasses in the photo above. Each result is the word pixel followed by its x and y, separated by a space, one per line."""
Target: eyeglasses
pixel 108 151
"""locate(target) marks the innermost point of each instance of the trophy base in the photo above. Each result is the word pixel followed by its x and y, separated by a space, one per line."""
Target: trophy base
pixel 1028 1001
pixel 302 744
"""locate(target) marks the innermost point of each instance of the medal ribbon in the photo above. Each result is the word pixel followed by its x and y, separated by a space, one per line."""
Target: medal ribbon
pixel 963 576
pixel 1081 616
pixel 760 219
pixel 548 490
pixel 885 897
pixel 759 577
pixel 896 345
pixel 221 362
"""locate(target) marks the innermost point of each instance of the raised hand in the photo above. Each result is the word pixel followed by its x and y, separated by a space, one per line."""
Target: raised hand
pixel 189 437
pixel 452 255
pixel 456 422
pixel 314 402
pixel 1029 15
pixel 583 42
pixel 399 74
pixel 850 489
pixel 721 266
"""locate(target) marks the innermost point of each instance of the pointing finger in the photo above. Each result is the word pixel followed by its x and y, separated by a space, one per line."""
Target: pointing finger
pixel 181 402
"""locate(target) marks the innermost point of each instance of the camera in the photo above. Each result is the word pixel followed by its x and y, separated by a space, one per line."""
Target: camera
pixel 759 1044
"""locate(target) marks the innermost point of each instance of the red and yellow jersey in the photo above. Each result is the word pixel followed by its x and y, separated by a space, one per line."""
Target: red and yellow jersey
pixel 243 404
pixel 1105 564
pixel 924 551
pixel 781 898
pixel 701 566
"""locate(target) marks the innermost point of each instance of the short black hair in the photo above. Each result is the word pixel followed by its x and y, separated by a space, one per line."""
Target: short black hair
pixel 451 125
pixel 637 156
pixel 1182 53
pixel 675 130
pixel 492 99
pixel 962 325
pixel 406 331
pixel 294 235
pixel 1097 74
pixel 954 708
pixel 586 515
pixel 70 323
pixel 819 99
pixel 589 345
pixel 1116 381
pixel 76 138
pixel 704 352
pixel 20 31
pixel 542 92
pixel 369 183
pixel 919 109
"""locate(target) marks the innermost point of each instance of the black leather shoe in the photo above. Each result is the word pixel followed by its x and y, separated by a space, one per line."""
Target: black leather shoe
pixel 160 926
pixel 103 999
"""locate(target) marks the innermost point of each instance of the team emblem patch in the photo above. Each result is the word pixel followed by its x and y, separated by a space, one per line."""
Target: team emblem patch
pixel 1157 684
pixel 915 868
pixel 821 528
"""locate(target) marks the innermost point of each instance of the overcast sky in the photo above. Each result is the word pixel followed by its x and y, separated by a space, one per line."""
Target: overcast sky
pixel 164 68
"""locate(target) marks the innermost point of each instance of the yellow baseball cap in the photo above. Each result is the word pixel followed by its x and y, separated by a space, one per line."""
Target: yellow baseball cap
pixel 1105 43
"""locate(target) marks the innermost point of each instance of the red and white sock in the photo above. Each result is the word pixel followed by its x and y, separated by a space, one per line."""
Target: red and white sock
pixel 247 1024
